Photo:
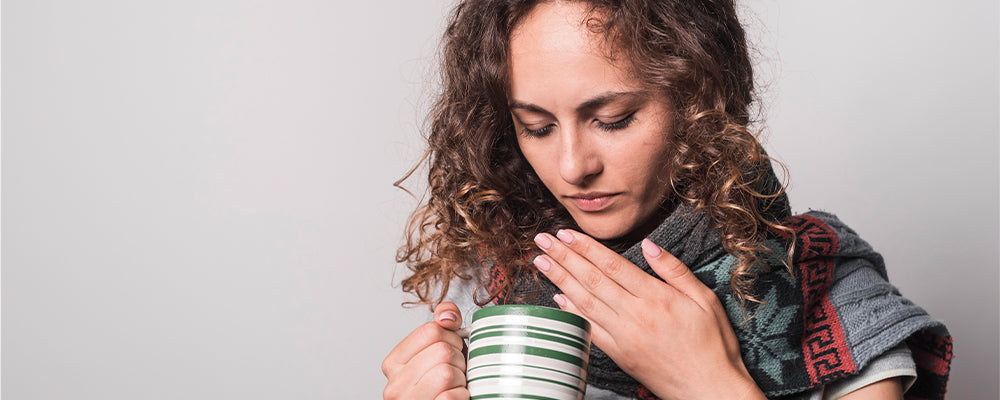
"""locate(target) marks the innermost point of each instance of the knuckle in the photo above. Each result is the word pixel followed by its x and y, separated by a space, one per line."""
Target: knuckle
pixel 558 255
pixel 431 332
pixel 583 246
pixel 710 298
pixel 674 271
pixel 444 375
pixel 614 269
pixel 556 278
pixel 716 305
pixel 706 297
pixel 681 271
pixel 440 351
pixel 391 392
pixel 593 278
pixel 587 305
pixel 557 252
pixel 385 367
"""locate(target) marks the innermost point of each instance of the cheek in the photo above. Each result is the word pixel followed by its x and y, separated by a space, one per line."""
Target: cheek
pixel 646 175
pixel 651 169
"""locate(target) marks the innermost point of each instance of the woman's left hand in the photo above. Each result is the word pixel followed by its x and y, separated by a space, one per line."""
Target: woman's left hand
pixel 673 336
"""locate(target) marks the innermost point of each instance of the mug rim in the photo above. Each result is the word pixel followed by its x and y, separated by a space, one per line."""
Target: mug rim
pixel 532 311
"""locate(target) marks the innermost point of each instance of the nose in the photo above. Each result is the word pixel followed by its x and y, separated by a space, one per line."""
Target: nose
pixel 579 158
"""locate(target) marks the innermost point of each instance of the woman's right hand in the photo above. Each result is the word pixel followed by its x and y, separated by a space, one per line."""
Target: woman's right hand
pixel 429 363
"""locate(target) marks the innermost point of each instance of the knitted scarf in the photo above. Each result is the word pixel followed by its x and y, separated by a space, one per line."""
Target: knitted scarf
pixel 803 336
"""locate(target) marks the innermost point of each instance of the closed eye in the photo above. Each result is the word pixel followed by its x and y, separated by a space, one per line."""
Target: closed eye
pixel 537 133
pixel 617 125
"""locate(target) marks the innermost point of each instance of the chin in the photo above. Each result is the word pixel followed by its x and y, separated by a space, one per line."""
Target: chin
pixel 602 231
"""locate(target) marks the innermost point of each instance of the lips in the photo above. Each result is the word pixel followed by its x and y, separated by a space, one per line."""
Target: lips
pixel 593 201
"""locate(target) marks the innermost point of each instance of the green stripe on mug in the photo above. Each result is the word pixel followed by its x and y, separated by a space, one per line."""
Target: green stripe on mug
pixel 510 396
pixel 529 350
pixel 525 366
pixel 505 333
pixel 533 311
pixel 530 328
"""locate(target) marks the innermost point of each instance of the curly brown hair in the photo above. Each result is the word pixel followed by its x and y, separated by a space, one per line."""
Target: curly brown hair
pixel 486 202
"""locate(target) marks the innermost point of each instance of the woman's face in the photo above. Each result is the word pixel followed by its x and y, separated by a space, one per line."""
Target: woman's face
pixel 595 136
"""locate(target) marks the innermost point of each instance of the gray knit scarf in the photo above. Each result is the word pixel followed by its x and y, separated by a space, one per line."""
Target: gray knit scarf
pixel 802 338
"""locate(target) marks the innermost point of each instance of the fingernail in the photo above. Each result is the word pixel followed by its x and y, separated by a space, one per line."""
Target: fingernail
pixel 650 248
pixel 543 241
pixel 448 316
pixel 542 264
pixel 565 236
pixel 559 300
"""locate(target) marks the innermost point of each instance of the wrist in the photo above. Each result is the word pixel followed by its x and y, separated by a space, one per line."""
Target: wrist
pixel 721 387
pixel 741 387
pixel 744 385
pixel 751 392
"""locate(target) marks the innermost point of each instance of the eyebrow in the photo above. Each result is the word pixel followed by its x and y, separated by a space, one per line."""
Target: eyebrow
pixel 590 104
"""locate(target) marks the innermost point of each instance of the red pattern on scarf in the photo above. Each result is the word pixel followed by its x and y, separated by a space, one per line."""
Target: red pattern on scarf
pixel 824 344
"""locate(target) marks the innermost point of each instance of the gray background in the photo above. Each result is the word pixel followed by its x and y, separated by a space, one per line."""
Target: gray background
pixel 197 197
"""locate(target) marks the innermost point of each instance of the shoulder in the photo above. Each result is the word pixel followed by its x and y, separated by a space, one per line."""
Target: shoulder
pixel 874 320
pixel 821 234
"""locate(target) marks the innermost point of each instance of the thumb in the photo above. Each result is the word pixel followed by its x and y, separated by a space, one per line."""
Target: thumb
pixel 448 316
pixel 672 270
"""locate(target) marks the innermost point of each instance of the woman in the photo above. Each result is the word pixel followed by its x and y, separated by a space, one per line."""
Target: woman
pixel 596 157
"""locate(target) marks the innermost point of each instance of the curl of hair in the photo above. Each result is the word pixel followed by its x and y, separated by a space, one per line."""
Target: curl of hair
pixel 486 202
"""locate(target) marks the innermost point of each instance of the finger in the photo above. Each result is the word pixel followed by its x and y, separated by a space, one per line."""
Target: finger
pixel 429 373
pixel 588 305
pixel 676 274
pixel 459 393
pixel 448 316
pixel 418 340
pixel 438 379
pixel 582 270
pixel 598 335
pixel 613 265
pixel 415 379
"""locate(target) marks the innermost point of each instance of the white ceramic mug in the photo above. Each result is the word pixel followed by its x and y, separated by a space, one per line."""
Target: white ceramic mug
pixel 524 351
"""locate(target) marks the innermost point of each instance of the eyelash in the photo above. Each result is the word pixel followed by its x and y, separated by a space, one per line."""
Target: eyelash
pixel 608 127
pixel 538 132
pixel 619 124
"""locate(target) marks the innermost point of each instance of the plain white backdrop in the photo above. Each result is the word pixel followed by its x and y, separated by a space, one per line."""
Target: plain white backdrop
pixel 197 196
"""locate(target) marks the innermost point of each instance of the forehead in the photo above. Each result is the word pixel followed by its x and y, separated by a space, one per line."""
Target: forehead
pixel 558 26
pixel 555 48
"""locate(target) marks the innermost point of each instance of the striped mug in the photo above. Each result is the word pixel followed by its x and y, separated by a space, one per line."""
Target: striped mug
pixel 527 352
